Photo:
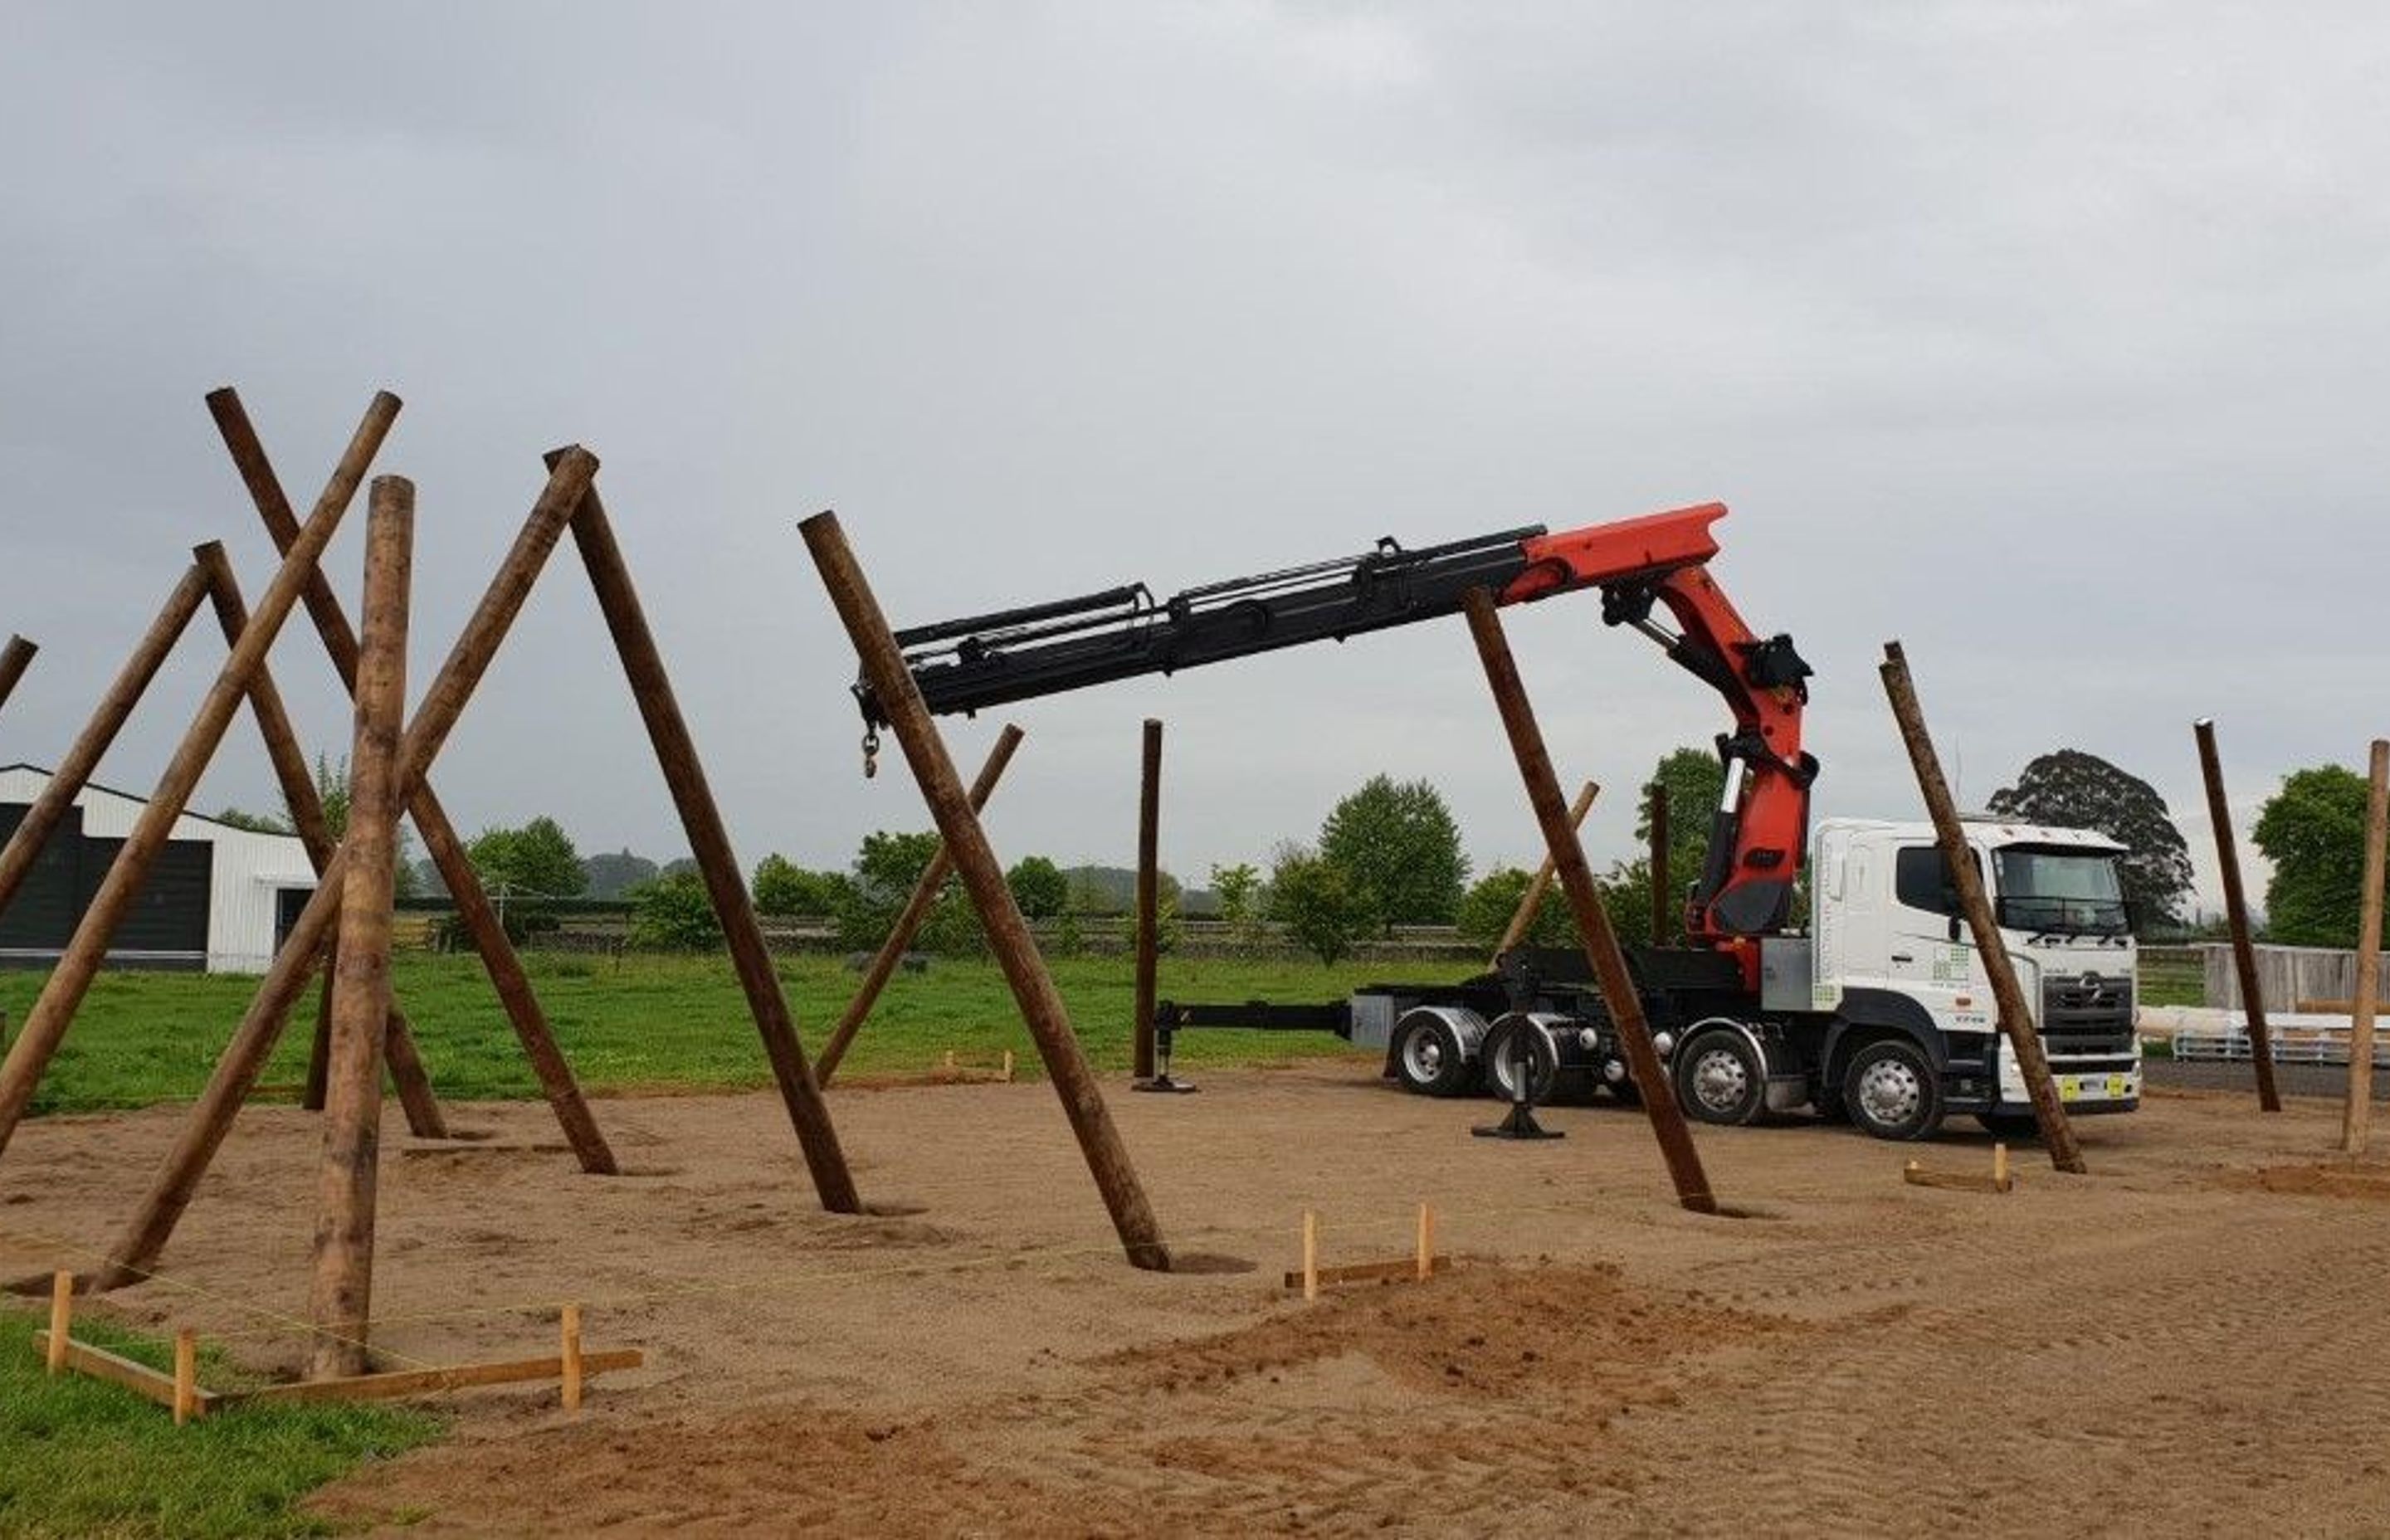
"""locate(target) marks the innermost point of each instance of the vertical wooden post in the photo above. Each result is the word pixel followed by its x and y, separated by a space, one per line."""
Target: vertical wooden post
pixel 911 918
pixel 475 913
pixel 1663 885
pixel 1600 941
pixel 1522 918
pixel 314 830
pixel 569 1330
pixel 73 772
pixel 61 1320
pixel 1310 1254
pixel 71 980
pixel 2000 1167
pixel 2356 1121
pixel 1033 987
pixel 1958 856
pixel 1426 1248
pixel 15 659
pixel 1149 896
pixel 709 841
pixel 186 1375
pixel 244 1057
pixel 2235 913
pixel 340 1297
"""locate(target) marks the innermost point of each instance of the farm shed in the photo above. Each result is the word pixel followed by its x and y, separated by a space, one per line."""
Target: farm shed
pixel 218 899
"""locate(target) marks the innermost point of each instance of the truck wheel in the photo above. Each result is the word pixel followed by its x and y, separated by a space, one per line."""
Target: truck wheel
pixel 1502 1048
pixel 1720 1077
pixel 1429 1060
pixel 1891 1091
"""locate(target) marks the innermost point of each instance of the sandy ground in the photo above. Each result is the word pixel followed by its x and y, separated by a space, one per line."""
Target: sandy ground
pixel 2193 1339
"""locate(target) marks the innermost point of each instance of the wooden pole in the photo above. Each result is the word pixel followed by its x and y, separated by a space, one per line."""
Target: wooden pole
pixel 73 772
pixel 15 659
pixel 71 980
pixel 475 913
pixel 911 918
pixel 1958 856
pixel 309 821
pixel 62 1319
pixel 1148 897
pixel 1310 1255
pixel 2356 1121
pixel 186 1375
pixel 1425 1251
pixel 1664 886
pixel 1033 987
pixel 1600 941
pixel 244 1057
pixel 1523 919
pixel 340 1297
pixel 709 842
pixel 569 1331
pixel 2000 1166
pixel 2236 912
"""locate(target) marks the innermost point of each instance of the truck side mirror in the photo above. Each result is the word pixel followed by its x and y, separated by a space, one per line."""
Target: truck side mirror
pixel 1954 927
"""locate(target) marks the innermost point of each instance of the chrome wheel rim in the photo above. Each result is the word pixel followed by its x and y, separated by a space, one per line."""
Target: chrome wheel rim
pixel 1423 1056
pixel 1721 1080
pixel 1890 1092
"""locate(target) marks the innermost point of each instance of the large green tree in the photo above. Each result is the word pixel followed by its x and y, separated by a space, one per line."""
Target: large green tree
pixel 2071 790
pixel 2313 830
pixel 1323 909
pixel 887 865
pixel 536 861
pixel 1039 887
pixel 781 887
pixel 1694 780
pixel 1396 844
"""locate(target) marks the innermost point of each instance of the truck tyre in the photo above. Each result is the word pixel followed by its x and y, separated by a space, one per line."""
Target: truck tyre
pixel 1720 1077
pixel 1502 1046
pixel 1429 1060
pixel 1891 1091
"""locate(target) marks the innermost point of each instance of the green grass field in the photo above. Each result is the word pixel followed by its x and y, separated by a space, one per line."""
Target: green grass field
pixel 643 1022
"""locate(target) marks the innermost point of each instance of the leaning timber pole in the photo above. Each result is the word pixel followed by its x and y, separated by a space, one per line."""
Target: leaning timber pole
pixel 1016 951
pixel 2356 1121
pixel 2016 1020
pixel 1522 918
pixel 446 847
pixel 1593 927
pixel 252 1042
pixel 71 980
pixel 709 842
pixel 340 1296
pixel 909 922
pixel 15 659
pixel 1148 898
pixel 1655 803
pixel 73 772
pixel 2235 913
pixel 314 830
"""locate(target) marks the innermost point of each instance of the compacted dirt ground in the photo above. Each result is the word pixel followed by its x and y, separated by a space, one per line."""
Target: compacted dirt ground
pixel 2196 1338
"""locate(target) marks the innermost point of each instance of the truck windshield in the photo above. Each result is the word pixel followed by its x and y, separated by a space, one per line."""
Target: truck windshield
pixel 2054 888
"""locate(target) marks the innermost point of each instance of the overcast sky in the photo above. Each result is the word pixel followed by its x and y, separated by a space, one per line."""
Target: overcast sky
pixel 2052 339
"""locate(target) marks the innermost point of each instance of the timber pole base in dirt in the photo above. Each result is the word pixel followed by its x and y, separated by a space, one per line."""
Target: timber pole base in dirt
pixel 340 1294
pixel 1593 926
pixel 709 842
pixel 1008 932
pixel 2236 915
pixel 2016 1020
pixel 910 920
pixel 2356 1117
pixel 441 840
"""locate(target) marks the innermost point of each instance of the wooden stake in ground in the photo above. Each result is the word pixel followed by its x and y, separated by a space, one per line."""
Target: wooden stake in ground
pixel 1663 887
pixel 1149 896
pixel 244 1057
pixel 187 1376
pixel 1524 917
pixel 73 772
pixel 2356 1119
pixel 2236 912
pixel 910 920
pixel 62 1319
pixel 314 831
pixel 80 963
pixel 340 1301
pixel 709 842
pixel 475 913
pixel 569 1343
pixel 15 659
pixel 2016 1020
pixel 1033 987
pixel 1600 941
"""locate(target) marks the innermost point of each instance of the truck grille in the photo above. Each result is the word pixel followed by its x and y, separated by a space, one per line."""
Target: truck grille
pixel 2087 1013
